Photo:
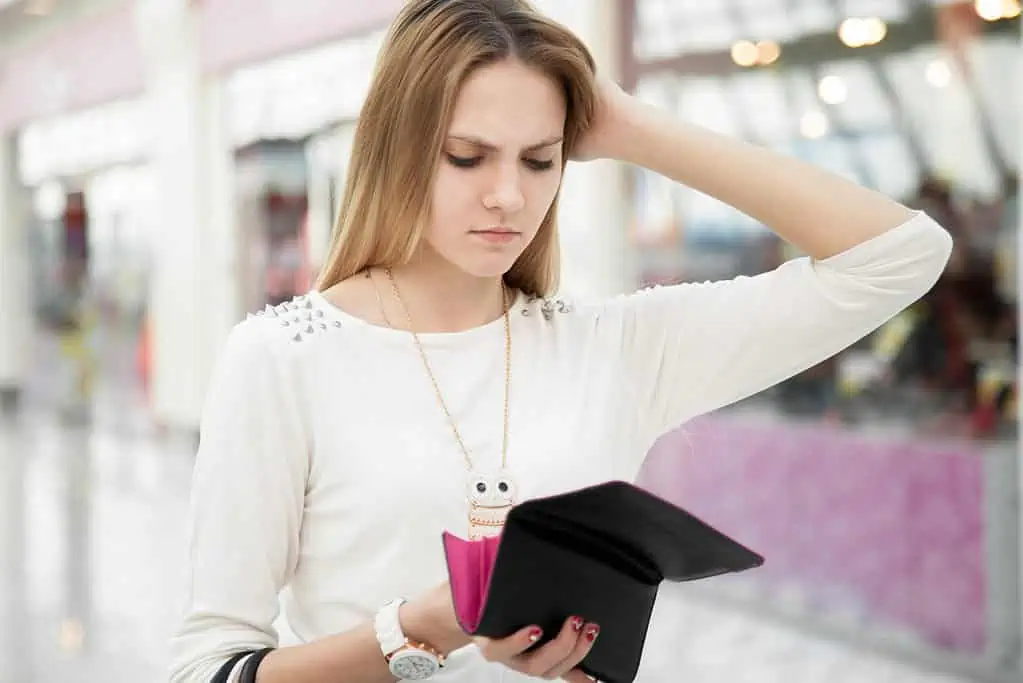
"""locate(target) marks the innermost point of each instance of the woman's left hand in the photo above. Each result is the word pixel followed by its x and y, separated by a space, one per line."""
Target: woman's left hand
pixel 610 122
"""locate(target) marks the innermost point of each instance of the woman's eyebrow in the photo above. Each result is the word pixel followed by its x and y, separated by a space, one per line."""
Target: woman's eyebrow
pixel 483 144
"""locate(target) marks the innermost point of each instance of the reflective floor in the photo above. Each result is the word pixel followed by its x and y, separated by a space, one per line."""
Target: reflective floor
pixel 91 553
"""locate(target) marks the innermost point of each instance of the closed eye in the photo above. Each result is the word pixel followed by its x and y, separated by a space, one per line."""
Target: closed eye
pixel 538 165
pixel 473 162
pixel 464 162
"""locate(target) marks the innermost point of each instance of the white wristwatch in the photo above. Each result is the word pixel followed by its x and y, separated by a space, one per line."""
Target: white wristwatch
pixel 407 659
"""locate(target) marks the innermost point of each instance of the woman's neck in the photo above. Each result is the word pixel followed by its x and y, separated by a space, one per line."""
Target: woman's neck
pixel 442 298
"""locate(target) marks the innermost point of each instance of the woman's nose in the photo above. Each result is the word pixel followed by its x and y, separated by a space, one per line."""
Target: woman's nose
pixel 506 193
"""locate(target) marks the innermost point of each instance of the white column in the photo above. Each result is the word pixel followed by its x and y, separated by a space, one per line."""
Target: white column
pixel 15 303
pixel 324 156
pixel 319 224
pixel 195 294
pixel 593 215
pixel 1019 382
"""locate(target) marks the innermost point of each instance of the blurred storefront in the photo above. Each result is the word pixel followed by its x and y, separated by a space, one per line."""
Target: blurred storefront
pixel 883 484
pixel 77 130
pixel 290 121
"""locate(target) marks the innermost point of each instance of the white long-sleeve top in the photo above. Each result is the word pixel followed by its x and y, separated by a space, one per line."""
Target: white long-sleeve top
pixel 327 467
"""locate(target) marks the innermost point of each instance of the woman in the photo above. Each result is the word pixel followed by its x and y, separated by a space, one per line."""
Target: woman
pixel 342 430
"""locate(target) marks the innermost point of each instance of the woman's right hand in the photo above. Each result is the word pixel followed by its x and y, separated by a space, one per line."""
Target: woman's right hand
pixel 558 658
pixel 432 618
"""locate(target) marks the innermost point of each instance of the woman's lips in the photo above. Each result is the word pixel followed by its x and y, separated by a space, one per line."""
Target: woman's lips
pixel 496 235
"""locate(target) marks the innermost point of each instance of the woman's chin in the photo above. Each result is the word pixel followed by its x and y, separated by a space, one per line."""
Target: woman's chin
pixel 487 268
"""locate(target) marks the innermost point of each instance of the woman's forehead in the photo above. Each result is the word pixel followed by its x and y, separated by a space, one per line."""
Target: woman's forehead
pixel 509 104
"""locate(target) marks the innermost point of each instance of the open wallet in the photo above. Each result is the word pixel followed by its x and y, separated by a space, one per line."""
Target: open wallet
pixel 599 553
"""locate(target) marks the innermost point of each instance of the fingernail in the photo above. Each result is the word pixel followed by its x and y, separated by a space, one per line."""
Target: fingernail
pixel 591 633
pixel 534 634
pixel 577 624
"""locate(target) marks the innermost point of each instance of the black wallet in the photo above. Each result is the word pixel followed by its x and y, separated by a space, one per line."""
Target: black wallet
pixel 599 553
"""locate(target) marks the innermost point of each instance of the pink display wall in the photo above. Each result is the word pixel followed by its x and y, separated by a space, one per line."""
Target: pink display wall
pixel 888 529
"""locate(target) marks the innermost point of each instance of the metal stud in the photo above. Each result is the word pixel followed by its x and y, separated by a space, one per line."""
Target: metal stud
pixel 323 326
pixel 547 309
pixel 297 337
pixel 309 329
pixel 337 323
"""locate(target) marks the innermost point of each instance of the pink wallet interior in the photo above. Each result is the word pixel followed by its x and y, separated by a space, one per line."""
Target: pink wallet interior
pixel 470 564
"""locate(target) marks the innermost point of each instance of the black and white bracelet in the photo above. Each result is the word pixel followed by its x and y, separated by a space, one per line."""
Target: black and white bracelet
pixel 252 658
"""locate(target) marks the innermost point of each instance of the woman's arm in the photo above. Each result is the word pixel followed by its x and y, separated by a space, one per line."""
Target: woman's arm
pixel 355 656
pixel 820 213
pixel 693 348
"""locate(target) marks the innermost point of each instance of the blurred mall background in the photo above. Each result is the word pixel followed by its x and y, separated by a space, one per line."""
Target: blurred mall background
pixel 168 165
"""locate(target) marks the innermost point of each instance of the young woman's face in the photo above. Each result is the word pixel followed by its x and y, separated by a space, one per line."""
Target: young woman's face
pixel 499 170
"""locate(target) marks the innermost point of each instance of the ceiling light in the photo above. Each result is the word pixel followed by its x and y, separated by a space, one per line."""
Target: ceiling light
pixel 813 125
pixel 875 30
pixel 744 53
pixel 989 10
pixel 858 32
pixel 832 90
pixel 768 52
pixel 938 73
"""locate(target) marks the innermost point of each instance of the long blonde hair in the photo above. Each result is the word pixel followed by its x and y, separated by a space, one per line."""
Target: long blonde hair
pixel 431 48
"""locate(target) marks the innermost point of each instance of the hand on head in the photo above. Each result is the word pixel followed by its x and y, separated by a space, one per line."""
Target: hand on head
pixel 610 124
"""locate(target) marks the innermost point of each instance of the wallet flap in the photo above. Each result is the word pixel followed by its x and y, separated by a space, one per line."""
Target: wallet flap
pixel 637 523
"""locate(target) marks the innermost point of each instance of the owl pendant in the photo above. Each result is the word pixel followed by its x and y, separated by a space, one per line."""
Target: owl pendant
pixel 490 498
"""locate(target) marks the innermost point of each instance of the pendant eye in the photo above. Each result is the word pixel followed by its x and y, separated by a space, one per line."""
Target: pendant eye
pixel 503 487
pixel 481 487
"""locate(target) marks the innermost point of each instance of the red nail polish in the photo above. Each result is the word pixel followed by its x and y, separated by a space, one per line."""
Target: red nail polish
pixel 577 624
pixel 534 634
pixel 591 633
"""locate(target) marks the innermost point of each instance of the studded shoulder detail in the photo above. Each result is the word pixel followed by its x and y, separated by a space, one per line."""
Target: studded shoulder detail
pixel 548 306
pixel 299 318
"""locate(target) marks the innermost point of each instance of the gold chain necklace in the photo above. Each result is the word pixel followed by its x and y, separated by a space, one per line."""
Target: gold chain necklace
pixel 490 496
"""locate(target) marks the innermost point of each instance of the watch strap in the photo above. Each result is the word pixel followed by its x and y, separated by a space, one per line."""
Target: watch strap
pixel 388 627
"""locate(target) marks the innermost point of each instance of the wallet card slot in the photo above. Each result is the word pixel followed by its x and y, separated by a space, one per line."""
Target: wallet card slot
pixel 591 543
pixel 470 564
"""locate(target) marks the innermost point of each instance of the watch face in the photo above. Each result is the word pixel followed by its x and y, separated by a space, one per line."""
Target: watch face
pixel 413 666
